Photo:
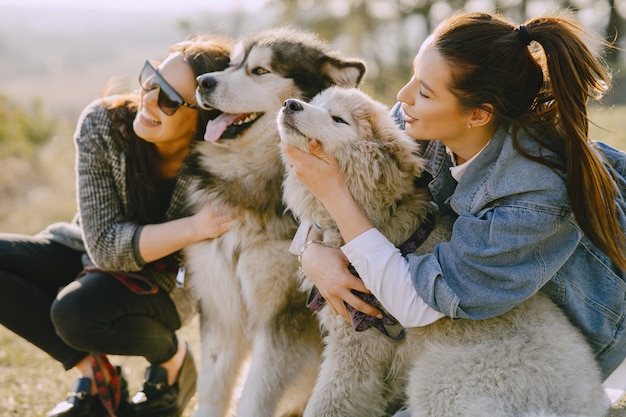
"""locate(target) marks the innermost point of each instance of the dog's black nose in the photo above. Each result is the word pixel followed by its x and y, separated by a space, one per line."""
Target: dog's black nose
pixel 292 106
pixel 206 82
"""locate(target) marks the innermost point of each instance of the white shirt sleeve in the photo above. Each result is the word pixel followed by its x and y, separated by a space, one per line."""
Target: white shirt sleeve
pixel 385 272
pixel 299 238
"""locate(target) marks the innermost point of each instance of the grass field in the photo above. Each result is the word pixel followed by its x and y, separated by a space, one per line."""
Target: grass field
pixel 31 383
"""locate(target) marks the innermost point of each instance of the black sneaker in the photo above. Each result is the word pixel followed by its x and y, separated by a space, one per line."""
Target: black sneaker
pixel 80 404
pixel 157 399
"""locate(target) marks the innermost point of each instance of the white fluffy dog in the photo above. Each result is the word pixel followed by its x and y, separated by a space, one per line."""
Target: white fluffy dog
pixel 528 362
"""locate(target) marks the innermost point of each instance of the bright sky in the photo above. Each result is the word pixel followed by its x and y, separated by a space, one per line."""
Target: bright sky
pixel 174 5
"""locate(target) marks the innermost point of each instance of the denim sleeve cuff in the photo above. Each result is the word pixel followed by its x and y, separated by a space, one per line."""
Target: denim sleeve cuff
pixel 429 282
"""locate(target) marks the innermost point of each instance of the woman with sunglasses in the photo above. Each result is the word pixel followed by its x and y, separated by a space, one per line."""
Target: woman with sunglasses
pixel 110 282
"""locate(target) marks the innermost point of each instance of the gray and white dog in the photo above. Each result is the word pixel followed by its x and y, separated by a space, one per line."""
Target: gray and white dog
pixel 528 362
pixel 246 280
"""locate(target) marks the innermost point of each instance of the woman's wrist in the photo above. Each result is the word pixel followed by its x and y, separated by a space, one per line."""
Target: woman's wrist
pixel 304 247
pixel 193 228
pixel 313 236
pixel 348 216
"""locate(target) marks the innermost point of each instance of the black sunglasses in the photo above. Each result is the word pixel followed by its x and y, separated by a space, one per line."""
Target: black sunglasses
pixel 169 100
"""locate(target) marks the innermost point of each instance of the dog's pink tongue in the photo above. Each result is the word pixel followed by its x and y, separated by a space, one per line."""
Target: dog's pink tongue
pixel 216 127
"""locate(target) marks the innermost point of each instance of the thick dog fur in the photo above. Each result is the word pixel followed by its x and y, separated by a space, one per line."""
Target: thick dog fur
pixel 529 362
pixel 246 280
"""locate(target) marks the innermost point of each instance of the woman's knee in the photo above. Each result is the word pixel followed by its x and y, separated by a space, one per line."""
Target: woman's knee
pixel 74 314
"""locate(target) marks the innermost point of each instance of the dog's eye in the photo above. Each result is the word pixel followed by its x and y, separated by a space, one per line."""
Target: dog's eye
pixel 260 71
pixel 340 120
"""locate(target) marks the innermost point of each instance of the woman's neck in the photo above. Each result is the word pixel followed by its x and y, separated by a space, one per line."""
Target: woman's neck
pixel 170 160
pixel 469 145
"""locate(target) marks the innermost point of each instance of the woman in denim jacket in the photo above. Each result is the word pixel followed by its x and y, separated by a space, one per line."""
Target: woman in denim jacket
pixel 539 208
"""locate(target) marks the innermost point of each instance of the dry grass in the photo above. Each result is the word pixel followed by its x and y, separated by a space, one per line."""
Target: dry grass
pixel 31 382
pixel 618 410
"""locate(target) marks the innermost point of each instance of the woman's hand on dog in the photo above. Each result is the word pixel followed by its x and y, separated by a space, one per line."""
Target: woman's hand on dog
pixel 334 281
pixel 162 239
pixel 320 173
pixel 317 170
pixel 211 222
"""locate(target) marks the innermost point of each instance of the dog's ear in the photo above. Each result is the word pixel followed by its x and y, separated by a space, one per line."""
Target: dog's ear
pixel 344 72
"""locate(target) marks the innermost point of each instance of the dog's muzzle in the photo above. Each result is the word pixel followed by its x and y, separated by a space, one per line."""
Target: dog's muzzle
pixel 291 106
pixel 206 83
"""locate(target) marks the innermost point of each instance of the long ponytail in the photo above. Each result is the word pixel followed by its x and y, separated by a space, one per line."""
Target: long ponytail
pixel 576 75
pixel 539 76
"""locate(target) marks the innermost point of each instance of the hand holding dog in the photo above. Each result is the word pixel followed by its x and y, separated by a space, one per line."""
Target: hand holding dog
pixel 162 239
pixel 209 222
pixel 317 170
pixel 334 281
pixel 320 173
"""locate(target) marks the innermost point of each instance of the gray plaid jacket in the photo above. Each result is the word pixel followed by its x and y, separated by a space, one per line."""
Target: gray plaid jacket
pixel 99 228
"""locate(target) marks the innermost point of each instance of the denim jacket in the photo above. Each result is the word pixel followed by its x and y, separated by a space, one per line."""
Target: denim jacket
pixel 515 235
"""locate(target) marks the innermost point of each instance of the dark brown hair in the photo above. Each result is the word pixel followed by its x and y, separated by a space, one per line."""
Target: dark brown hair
pixel 539 77
pixel 204 54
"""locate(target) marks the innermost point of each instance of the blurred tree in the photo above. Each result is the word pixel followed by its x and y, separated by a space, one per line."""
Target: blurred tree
pixel 21 131
pixel 387 33
pixel 615 26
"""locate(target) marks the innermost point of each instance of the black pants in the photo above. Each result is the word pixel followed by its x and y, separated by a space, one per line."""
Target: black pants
pixel 42 301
